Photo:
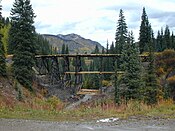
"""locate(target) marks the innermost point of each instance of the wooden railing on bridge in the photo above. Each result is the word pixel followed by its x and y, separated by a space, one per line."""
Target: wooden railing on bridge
pixel 94 72
pixel 84 55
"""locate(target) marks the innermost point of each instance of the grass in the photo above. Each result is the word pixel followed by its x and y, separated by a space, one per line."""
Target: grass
pixel 53 110
pixel 165 109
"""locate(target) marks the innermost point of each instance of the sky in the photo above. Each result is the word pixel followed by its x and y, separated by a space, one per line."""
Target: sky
pixel 97 19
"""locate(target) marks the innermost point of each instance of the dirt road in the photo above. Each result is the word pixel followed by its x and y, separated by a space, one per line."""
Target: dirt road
pixel 122 125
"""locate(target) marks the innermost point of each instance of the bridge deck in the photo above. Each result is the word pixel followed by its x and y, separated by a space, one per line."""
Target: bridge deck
pixel 94 72
pixel 79 55
pixel 88 91
pixel 82 55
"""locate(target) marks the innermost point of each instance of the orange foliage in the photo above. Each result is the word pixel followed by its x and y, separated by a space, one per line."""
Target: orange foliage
pixel 169 53
pixel 167 102
pixel 166 60
pixel 160 71
pixel 171 80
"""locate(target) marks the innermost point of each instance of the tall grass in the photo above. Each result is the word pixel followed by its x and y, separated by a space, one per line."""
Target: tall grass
pixel 54 109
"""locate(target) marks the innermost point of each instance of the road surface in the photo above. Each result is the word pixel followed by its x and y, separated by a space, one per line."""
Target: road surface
pixel 122 125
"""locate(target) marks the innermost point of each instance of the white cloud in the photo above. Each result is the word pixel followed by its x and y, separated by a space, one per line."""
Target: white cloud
pixel 94 19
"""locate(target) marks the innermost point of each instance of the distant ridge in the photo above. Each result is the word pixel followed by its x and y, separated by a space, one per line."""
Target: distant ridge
pixel 76 43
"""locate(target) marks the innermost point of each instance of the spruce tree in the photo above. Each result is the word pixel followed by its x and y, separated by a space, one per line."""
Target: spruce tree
pixel 22 41
pixel 151 88
pixel 116 82
pixel 173 41
pixel 144 35
pixel 107 47
pixel 121 33
pixel 112 49
pixel 96 51
pixel 103 50
pixel 93 79
pixel 167 39
pixel 7 21
pixel 42 45
pixel 96 60
pixel 152 39
pixel 110 60
pixel 2 53
pixel 132 78
pixel 106 62
pixel 67 50
pixel 96 63
pixel 63 49
pixel 158 42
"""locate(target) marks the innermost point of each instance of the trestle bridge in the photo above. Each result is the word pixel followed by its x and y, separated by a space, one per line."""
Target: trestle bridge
pixel 61 71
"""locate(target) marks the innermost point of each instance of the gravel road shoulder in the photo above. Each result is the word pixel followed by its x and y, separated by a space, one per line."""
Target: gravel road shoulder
pixel 121 125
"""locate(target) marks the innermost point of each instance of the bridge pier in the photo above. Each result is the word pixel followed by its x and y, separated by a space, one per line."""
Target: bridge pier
pixel 78 77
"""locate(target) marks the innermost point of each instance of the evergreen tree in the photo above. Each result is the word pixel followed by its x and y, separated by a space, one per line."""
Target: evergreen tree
pixel 152 38
pixel 7 21
pixel 121 33
pixel 112 49
pixel 96 60
pixel 42 45
pixel 162 40
pixel 91 76
pixel 158 42
pixel 116 82
pixel 151 88
pixel 96 63
pixel 173 41
pixel 63 49
pixel 22 41
pixel 110 61
pixel 106 63
pixel 2 53
pixel 161 46
pixel 167 38
pixel 94 66
pixel 67 50
pixel 103 50
pixel 83 64
pixel 132 78
pixel 107 47
pixel 96 51
pixel 144 35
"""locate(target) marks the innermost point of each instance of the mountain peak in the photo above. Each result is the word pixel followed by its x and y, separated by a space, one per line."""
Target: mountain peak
pixel 75 42
pixel 71 36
